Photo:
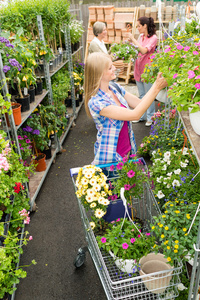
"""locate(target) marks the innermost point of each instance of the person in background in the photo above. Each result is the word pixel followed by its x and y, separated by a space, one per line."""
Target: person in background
pixel 113 111
pixel 97 44
pixel 146 44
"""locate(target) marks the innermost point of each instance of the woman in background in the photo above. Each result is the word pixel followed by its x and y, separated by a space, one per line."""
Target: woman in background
pixel 146 44
pixel 112 110
pixel 97 44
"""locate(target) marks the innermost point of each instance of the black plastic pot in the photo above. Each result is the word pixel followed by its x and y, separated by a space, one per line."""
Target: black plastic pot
pixel 77 102
pixel 25 102
pixel 31 92
pixel 47 153
pixel 68 102
pixel 13 90
pixel 38 89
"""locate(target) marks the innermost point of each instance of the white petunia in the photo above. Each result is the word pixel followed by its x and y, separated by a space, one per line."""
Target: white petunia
pixel 167 156
pixel 169 174
pixel 160 195
pixel 169 162
pixel 176 182
pixel 183 165
pixel 185 151
pixel 186 161
pixel 181 287
pixel 178 171
pixel 168 185
pixel 164 167
pixel 159 179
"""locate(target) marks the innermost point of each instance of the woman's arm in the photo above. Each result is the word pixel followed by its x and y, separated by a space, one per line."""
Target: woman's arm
pixel 139 105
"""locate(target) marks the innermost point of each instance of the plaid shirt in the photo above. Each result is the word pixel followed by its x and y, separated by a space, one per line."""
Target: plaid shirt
pixel 108 129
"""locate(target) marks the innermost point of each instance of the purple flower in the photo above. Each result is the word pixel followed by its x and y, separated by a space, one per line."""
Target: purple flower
pixel 36 131
pixel 191 74
pixel 131 174
pixel 28 141
pixel 125 246
pixel 13 62
pixel 6 69
pixel 28 129
pixel 7 54
pixel 3 40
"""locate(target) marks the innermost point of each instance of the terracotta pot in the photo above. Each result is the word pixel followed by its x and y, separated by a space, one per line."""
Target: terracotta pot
pixel 41 163
pixel 16 109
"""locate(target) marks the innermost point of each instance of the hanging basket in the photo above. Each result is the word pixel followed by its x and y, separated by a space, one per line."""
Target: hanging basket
pixel 195 121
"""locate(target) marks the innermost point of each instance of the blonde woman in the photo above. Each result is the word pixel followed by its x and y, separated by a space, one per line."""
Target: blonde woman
pixel 97 44
pixel 112 111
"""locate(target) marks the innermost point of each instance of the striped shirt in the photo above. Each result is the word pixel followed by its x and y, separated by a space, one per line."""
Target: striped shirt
pixel 108 129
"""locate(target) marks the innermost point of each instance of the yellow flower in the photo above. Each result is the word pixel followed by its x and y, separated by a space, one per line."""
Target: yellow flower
pixel 166 227
pixel 169 259
pixel 148 70
pixel 168 247
pixel 153 227
pixel 161 225
pixel 176 242
pixel 184 229
pixel 162 236
pixel 175 251
pixel 166 242
pixel 24 78
pixel 187 216
pixel 163 216
pixel 176 246
pixel 177 211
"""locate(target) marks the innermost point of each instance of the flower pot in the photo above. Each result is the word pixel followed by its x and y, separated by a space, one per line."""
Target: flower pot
pixel 195 121
pixel 77 102
pixel 68 102
pixel 25 102
pixel 47 152
pixel 13 90
pixel 31 92
pixel 16 110
pixel 55 63
pixel 162 96
pixel 51 66
pixel 40 69
pixel 41 163
pixel 38 90
pixel 155 263
pixel 125 265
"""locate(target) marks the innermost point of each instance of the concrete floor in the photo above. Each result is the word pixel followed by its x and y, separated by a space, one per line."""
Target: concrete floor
pixel 57 229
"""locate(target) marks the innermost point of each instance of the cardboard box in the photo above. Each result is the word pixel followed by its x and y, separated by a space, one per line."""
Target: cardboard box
pixel 100 10
pixel 118 33
pixel 111 39
pixel 92 18
pixel 101 18
pixel 111 32
pixel 92 10
pixel 109 17
pixel 120 25
pixel 124 17
pixel 110 24
pixel 118 39
pixel 108 10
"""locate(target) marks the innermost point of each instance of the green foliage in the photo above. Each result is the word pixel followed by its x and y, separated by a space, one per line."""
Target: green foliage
pixel 76 30
pixel 124 50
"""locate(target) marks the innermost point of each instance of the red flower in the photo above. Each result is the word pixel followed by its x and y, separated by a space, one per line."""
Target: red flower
pixel 18 186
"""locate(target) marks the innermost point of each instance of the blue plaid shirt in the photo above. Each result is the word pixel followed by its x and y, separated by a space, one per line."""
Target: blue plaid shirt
pixel 108 129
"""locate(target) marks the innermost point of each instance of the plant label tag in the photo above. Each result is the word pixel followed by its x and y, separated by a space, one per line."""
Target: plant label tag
pixel 25 91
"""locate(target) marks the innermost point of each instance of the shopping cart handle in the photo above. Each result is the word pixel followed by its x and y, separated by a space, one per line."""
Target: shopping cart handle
pixel 116 163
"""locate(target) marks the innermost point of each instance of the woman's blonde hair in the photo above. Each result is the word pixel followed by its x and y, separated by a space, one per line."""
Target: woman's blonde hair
pixel 96 64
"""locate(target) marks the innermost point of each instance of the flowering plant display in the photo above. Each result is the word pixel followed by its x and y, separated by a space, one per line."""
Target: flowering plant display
pixel 161 137
pixel 179 64
pixel 25 145
pixel 171 229
pixel 131 177
pixel 76 30
pixel 172 173
pixel 93 190
pixel 124 51
pixel 126 241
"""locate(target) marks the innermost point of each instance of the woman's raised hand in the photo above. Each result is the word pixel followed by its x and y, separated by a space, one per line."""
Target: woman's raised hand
pixel 161 82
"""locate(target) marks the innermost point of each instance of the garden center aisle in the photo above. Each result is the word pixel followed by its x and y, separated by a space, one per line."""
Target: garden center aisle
pixel 57 229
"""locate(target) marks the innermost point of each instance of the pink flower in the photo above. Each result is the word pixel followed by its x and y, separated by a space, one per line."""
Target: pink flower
pixel 198 77
pixel 186 48
pixel 131 174
pixel 127 187
pixel 148 234
pixel 125 158
pixel 172 55
pixel 132 240
pixel 30 237
pixel 175 75
pixel 125 246
pixel 191 74
pixel 120 165
pixel 141 145
pixel 179 47
pixel 198 103
pixel 152 56
pixel 197 86
pixel 103 240
pixel 138 235
pixel 133 155
pixel 158 114
pixel 112 168
pixel 180 65
pixel 197 44
pixel 195 52
pixel 167 49
pixel 184 56
pixel 118 220
pixel 114 197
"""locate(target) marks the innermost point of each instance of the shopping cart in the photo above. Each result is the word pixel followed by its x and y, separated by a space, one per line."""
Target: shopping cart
pixel 117 284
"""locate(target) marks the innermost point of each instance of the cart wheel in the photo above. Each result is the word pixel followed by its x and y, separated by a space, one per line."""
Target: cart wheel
pixel 80 258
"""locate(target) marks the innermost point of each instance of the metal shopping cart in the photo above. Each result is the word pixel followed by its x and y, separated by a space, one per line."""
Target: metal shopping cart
pixel 117 284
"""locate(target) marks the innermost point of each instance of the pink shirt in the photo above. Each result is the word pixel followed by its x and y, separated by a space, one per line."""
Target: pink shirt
pixel 143 59
pixel 123 145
